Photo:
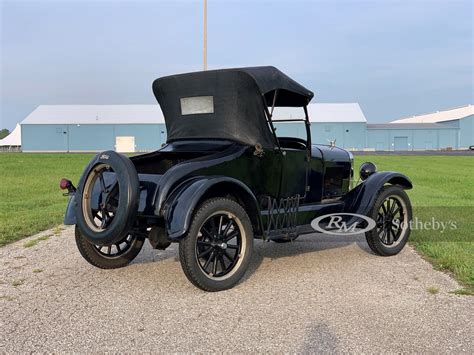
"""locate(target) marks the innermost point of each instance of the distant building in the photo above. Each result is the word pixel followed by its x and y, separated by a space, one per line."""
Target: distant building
pixel 452 128
pixel 343 123
pixel 12 142
pixel 141 128
pixel 92 128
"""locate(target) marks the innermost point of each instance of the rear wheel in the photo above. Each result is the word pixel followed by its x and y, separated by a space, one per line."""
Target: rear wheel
pixel 109 256
pixel 217 249
pixel 107 199
pixel 392 213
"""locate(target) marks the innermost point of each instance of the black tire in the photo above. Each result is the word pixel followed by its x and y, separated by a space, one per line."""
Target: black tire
pixel 126 196
pixel 197 242
pixel 385 239
pixel 98 256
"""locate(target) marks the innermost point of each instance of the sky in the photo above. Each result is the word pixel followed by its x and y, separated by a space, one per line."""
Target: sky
pixel 395 58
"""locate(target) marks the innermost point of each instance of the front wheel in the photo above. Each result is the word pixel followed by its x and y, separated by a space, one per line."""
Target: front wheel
pixel 392 214
pixel 217 249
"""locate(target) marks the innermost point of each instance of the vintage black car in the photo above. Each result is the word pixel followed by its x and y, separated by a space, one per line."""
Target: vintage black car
pixel 224 178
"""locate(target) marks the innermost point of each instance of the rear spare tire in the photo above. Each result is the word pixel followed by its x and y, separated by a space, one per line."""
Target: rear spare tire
pixel 107 199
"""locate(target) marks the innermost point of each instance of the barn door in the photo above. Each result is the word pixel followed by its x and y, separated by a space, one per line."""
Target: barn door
pixel 125 144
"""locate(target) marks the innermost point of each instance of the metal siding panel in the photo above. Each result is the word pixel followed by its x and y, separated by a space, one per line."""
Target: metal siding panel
pixel 466 132
pixel 378 139
pixel 354 135
pixel 448 138
pixel 148 137
pixel 44 138
pixel 400 133
pixel 323 133
pixel 92 138
pixel 293 129
pixel 425 139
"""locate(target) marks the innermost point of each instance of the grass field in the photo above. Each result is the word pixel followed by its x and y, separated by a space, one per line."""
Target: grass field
pixel 30 201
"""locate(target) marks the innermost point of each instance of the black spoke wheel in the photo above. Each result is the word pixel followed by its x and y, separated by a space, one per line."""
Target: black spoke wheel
pixel 107 199
pixel 216 251
pixel 109 256
pixel 219 244
pixel 392 213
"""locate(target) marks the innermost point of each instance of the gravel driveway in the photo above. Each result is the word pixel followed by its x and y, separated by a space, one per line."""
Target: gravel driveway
pixel 319 293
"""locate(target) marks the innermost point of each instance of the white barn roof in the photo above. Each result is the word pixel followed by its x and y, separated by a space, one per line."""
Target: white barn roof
pixel 440 116
pixel 13 139
pixel 324 112
pixel 149 114
pixel 95 114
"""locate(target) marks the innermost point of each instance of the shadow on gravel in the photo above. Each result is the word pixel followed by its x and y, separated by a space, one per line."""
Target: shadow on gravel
pixel 308 243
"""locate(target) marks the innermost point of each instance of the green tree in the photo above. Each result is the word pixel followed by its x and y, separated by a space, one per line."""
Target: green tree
pixel 4 132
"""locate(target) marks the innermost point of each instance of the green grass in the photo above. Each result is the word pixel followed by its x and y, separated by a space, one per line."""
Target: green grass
pixel 30 198
pixel 31 201
pixel 443 189
pixel 33 242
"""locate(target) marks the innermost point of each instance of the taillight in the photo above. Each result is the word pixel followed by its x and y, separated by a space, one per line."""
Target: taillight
pixel 65 184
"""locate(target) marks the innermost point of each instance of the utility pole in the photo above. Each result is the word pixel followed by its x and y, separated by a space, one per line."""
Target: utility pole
pixel 205 37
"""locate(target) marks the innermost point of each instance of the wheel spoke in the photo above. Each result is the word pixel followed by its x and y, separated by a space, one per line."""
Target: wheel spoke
pixel 389 236
pixel 228 256
pixel 212 222
pixel 392 207
pixel 204 253
pixel 103 222
pixel 230 246
pixel 232 235
pixel 227 227
pixel 220 226
pixel 209 235
pixel 396 210
pixel 214 266
pixel 221 261
pixel 209 260
pixel 102 182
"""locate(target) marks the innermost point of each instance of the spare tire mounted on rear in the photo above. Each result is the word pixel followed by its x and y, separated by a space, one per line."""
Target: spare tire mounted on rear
pixel 107 198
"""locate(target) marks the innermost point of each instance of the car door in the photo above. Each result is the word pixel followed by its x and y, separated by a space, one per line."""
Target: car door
pixel 294 172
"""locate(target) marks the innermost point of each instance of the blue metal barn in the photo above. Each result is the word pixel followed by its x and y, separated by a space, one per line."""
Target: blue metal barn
pixel 141 128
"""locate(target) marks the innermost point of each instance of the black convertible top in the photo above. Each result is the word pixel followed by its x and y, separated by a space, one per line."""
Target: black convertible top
pixel 226 103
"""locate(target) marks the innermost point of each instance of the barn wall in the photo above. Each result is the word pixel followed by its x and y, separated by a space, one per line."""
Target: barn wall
pixel 466 131
pixel 412 139
pixel 80 138
pixel 44 138
pixel 148 137
pixel 349 135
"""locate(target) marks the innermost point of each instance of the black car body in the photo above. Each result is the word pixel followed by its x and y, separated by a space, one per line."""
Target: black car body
pixel 222 144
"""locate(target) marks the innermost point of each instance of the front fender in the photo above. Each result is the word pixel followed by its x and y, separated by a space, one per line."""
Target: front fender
pixel 181 204
pixel 361 199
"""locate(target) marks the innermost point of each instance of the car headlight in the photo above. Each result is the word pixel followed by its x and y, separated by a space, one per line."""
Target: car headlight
pixel 367 169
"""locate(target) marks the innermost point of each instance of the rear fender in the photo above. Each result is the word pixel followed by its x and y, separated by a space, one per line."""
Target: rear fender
pixel 361 199
pixel 181 204
pixel 70 215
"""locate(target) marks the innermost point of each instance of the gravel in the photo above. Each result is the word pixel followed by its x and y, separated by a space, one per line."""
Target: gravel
pixel 319 293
